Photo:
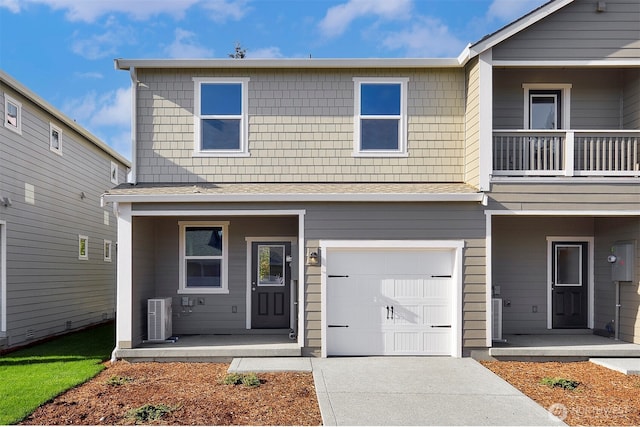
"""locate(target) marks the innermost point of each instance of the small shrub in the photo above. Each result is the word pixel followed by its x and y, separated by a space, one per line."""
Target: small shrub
pixel 150 412
pixel 232 379
pixel 250 380
pixel 560 382
pixel 116 380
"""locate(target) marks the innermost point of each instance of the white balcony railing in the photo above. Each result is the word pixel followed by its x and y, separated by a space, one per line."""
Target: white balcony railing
pixel 566 153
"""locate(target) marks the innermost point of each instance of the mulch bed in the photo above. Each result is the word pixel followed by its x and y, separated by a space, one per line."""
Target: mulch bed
pixel 193 392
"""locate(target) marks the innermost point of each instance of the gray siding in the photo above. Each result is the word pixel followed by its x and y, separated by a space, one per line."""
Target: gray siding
pixel 566 195
pixel 49 290
pixel 301 128
pixel 410 222
pixel 577 31
pixel 608 231
pixel 596 96
pixel 631 100
pixel 519 266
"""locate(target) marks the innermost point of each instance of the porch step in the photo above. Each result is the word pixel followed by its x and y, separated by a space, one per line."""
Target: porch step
pixel 209 348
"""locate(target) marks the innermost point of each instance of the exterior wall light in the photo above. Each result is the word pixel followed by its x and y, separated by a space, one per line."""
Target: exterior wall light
pixel 313 256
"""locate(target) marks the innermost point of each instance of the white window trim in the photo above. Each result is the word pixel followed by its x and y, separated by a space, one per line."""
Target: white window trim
pixel 86 247
pixel 53 128
pixel 17 129
pixel 565 106
pixel 107 250
pixel 114 179
pixel 243 150
pixel 224 279
pixel 402 125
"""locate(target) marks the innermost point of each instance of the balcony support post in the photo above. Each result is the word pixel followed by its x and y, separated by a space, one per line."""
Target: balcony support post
pixel 569 150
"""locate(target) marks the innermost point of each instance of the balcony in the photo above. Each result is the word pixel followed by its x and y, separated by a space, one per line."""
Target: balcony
pixel 603 153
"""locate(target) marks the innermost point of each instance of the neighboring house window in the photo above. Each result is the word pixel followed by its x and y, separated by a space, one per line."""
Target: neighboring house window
pixel 203 257
pixel 12 114
pixel 107 250
pixel 114 173
pixel 221 124
pixel 83 247
pixel 55 138
pixel 380 120
pixel 546 106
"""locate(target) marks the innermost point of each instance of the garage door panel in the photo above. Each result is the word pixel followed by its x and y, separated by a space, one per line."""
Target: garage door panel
pixel 390 301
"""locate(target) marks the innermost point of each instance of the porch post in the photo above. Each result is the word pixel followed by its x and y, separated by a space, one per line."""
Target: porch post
pixel 124 288
pixel 569 153
pixel 485 118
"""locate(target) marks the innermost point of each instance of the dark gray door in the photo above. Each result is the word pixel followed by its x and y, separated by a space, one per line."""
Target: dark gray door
pixel 569 284
pixel 270 285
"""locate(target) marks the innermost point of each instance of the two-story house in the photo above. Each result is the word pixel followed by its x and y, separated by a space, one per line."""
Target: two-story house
pixel 57 242
pixel 384 206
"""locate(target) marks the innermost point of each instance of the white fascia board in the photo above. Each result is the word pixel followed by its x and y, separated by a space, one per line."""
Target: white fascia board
pixel 349 197
pixel 569 63
pixel 517 26
pixel 126 64
pixel 564 213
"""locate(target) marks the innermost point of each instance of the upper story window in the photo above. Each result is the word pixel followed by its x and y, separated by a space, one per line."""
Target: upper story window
pixel 546 106
pixel 221 124
pixel 114 173
pixel 12 114
pixel 203 257
pixel 380 120
pixel 55 139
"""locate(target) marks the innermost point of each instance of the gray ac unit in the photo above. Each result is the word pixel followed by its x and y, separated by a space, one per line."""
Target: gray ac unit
pixel 158 319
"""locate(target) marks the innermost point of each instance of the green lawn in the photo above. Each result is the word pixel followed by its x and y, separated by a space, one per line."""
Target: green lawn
pixel 32 376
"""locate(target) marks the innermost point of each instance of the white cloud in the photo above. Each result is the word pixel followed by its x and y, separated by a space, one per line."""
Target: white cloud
pixel 113 109
pixel 12 5
pixel 106 115
pixel 103 45
pixel 90 10
pixel 427 37
pixel 265 52
pixel 339 17
pixel 185 46
pixel 89 75
pixel 509 10
pixel 222 10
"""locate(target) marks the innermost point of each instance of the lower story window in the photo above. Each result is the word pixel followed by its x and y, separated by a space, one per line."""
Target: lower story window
pixel 203 257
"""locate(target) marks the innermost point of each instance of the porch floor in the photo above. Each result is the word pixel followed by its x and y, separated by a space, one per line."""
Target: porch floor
pixel 576 346
pixel 211 348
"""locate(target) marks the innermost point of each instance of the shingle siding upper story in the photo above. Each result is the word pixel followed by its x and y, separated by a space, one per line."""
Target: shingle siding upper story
pixel 301 128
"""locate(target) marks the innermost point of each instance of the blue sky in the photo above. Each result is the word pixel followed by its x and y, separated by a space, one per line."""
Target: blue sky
pixel 63 50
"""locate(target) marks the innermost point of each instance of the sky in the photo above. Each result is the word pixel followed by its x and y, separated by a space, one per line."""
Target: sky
pixel 63 50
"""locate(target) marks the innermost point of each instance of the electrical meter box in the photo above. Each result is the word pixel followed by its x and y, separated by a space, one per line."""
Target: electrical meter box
pixel 622 261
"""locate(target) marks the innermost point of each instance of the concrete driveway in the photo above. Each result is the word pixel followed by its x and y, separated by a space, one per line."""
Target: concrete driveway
pixel 419 391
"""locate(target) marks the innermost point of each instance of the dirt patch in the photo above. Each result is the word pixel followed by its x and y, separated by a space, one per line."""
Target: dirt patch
pixel 193 393
pixel 602 397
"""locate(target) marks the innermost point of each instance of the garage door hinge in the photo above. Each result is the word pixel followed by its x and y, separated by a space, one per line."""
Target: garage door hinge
pixel 444 276
pixel 440 326
pixel 337 275
pixel 337 326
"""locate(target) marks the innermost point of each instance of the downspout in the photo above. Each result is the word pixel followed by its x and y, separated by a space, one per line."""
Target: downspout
pixel 133 177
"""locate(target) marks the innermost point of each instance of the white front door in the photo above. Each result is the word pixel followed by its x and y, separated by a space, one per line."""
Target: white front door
pixel 389 302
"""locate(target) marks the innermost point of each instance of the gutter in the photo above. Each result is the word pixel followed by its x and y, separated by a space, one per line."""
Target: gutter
pixel 310 63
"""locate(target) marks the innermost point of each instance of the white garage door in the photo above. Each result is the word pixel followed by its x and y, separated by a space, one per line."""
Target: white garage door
pixel 389 302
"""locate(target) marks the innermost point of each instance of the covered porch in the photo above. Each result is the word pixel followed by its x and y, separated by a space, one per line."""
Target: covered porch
pixel 553 292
